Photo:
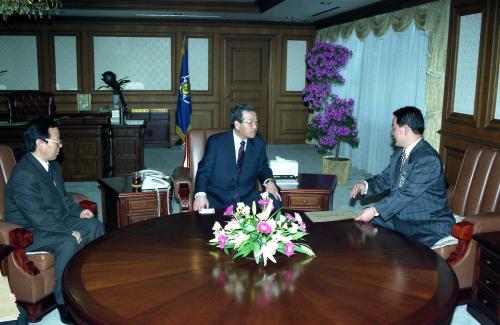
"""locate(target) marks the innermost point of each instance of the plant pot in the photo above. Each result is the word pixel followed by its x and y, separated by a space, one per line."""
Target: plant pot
pixel 337 166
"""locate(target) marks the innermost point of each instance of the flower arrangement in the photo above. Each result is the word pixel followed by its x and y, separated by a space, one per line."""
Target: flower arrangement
pixel 261 234
pixel 333 122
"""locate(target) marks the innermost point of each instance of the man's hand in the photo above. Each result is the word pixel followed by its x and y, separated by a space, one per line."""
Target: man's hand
pixel 358 188
pixel 366 215
pixel 273 190
pixel 77 236
pixel 86 214
pixel 200 202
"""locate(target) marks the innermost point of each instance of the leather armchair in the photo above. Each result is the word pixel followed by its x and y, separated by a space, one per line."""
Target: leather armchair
pixel 31 276
pixel 184 176
pixel 476 196
pixel 25 105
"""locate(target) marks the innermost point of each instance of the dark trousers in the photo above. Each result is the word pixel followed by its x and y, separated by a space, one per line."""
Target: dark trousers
pixel 426 232
pixel 64 246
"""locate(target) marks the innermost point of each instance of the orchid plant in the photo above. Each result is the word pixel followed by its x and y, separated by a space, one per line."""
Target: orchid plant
pixel 261 234
pixel 333 122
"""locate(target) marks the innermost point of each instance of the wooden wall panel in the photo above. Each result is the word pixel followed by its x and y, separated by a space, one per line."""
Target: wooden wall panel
pixel 207 105
pixel 458 131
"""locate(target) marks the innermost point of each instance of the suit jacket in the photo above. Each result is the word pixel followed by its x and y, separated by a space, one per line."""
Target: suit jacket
pixel 217 175
pixel 417 203
pixel 33 202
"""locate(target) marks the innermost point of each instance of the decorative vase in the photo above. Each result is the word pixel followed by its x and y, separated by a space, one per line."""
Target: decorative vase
pixel 116 101
pixel 337 166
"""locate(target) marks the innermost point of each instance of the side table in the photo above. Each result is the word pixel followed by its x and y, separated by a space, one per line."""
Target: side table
pixel 123 205
pixel 313 193
pixel 485 302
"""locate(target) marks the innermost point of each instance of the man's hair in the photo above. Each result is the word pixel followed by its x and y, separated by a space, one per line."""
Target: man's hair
pixel 237 112
pixel 37 129
pixel 412 117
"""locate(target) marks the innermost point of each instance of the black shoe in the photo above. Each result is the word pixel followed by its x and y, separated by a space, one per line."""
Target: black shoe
pixel 65 315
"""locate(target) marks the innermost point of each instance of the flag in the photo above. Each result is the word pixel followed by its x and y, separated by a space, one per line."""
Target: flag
pixel 183 113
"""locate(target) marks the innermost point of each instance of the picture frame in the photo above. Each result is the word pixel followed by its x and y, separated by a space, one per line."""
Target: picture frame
pixel 84 102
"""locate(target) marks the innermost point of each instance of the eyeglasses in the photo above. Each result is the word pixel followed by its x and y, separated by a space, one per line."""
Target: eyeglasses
pixel 59 141
pixel 251 123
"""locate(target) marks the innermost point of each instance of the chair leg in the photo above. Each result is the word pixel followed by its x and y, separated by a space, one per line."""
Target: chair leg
pixel 36 311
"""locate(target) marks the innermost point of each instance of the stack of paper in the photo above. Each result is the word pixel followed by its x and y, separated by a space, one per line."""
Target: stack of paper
pixel 115 116
pixel 325 216
pixel 286 182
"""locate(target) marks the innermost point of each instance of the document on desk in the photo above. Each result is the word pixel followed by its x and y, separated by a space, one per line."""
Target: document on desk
pixel 8 309
pixel 325 216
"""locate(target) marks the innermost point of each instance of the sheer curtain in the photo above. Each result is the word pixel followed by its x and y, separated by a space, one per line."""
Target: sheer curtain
pixel 384 73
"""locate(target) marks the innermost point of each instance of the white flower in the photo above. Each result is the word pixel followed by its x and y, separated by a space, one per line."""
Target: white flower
pixel 217 226
pixel 263 216
pixel 264 195
pixel 298 218
pixel 246 210
pixel 294 228
pixel 272 223
pixel 268 250
pixel 240 239
pixel 232 225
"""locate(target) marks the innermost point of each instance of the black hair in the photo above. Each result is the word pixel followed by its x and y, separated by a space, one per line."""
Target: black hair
pixel 412 117
pixel 237 112
pixel 37 129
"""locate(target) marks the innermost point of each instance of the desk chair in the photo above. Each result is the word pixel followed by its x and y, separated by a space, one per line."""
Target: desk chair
pixel 31 277
pixel 184 176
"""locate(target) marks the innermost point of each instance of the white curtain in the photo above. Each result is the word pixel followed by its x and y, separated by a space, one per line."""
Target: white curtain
pixel 384 74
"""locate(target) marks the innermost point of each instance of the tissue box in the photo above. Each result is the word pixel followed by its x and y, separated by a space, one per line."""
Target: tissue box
pixel 282 166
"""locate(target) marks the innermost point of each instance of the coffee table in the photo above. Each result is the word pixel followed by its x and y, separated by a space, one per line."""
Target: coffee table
pixel 161 271
pixel 123 205
pixel 313 193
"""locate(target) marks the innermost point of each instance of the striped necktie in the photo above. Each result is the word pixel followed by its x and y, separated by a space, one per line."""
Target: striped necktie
pixel 402 160
pixel 241 156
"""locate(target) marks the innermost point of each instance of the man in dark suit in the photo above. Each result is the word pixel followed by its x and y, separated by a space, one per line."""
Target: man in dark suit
pixel 417 203
pixel 36 199
pixel 232 163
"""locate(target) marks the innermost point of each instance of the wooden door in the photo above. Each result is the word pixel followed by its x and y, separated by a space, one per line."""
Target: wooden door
pixel 246 78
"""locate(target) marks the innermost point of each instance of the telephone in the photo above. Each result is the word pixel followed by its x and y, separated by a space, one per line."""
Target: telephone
pixel 154 180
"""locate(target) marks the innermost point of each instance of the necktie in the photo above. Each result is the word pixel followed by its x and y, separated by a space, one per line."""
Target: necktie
pixel 402 160
pixel 241 155
pixel 51 174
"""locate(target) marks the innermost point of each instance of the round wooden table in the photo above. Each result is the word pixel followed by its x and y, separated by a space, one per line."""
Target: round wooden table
pixel 162 271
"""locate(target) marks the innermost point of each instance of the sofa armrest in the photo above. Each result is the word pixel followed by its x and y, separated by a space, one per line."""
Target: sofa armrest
pixel 19 239
pixel 485 222
pixel 183 187
pixel 463 231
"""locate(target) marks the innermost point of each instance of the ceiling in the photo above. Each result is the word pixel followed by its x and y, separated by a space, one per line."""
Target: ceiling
pixel 288 11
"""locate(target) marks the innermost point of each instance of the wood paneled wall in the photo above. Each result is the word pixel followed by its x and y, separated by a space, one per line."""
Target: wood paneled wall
pixel 286 115
pixel 458 131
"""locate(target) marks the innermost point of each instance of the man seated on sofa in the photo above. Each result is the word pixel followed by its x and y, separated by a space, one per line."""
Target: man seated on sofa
pixel 36 199
pixel 417 204
pixel 232 163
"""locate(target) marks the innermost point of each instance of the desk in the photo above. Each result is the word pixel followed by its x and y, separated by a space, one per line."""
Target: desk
pixel 122 205
pixel 161 271
pixel 85 154
pixel 313 193
pixel 485 302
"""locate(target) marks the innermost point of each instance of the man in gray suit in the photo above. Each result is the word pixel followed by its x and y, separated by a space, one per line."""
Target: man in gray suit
pixel 36 199
pixel 417 202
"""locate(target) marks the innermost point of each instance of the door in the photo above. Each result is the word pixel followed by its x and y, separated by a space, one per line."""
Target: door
pixel 246 78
